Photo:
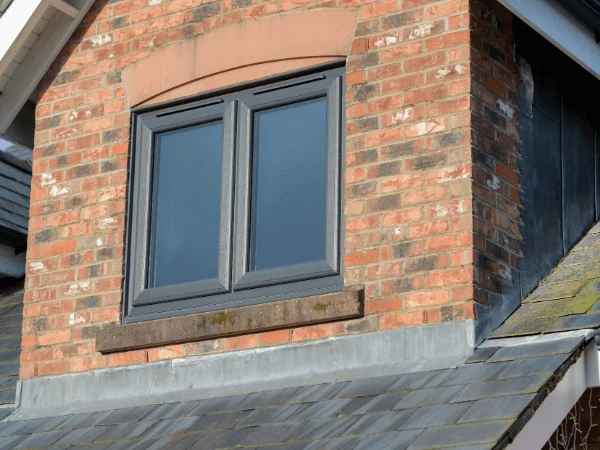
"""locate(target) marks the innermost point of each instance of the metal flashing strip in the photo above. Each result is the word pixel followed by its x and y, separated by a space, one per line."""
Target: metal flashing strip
pixel 345 358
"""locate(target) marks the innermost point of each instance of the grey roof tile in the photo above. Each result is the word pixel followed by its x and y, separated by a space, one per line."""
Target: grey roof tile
pixel 266 398
pixel 461 435
pixel 379 413
pixel 269 415
pixel 481 355
pixel 215 405
pixel 218 421
pixel 320 410
pixel 170 410
pixel 271 434
pixel 497 408
pixel 533 366
pixel 82 420
pixel 10 441
pixel 40 439
pixel 320 392
pixel 501 388
pixel 8 428
pixel 344 443
pixel 126 415
pixel 367 387
pixel 532 350
pixel 138 444
pixel 435 416
pixel 41 425
pixel 575 322
pixel 431 396
pixel 384 402
pixel 420 380
pixel 298 446
pixel 389 441
pixel 124 431
pixel 5 412
pixel 170 426
pixel 358 404
pixel 176 442
pixel 97 446
pixel 81 435
pixel 222 439
pixel 473 373
pixel 380 423
pixel 320 429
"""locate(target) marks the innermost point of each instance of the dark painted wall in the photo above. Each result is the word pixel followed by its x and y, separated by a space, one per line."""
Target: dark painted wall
pixel 559 166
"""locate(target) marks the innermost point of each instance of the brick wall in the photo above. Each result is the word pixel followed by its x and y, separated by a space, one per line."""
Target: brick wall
pixel 409 195
pixel 496 198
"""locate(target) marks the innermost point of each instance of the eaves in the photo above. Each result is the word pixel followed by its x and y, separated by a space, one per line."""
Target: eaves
pixel 32 33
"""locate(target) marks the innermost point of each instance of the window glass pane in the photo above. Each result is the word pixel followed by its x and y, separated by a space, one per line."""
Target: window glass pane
pixel 289 185
pixel 186 208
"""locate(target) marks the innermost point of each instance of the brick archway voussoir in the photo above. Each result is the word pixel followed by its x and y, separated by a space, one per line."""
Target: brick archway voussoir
pixel 242 52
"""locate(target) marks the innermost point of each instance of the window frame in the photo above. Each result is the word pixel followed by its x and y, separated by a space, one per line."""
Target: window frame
pixel 234 106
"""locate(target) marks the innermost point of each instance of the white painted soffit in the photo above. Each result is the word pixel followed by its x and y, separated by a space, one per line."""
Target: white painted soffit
pixel 563 29
pixel 32 33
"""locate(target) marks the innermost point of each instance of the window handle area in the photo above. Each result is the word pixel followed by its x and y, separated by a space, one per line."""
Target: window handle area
pixel 290 84
pixel 191 108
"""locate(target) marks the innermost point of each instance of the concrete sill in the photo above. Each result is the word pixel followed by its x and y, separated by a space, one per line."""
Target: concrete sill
pixel 348 304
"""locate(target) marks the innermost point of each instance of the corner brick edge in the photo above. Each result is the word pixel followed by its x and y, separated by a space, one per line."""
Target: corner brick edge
pixel 348 304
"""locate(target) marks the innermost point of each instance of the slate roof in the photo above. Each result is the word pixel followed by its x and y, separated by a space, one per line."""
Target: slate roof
pixel 11 317
pixel 567 299
pixel 476 406
pixel 15 187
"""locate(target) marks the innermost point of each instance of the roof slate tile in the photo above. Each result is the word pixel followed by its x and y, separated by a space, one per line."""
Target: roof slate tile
pixel 419 410
pixel 501 388
pixel 575 323
pixel 475 433
pixel 497 408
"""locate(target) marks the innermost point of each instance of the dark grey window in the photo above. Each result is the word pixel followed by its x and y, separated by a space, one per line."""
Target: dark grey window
pixel 235 199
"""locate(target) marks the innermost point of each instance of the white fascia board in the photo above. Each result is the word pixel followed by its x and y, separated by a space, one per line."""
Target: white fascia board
pixel 16 25
pixel 39 59
pixel 558 404
pixel 563 29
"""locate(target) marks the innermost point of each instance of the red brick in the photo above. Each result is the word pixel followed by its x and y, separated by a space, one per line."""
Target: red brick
pixel 274 337
pixel 312 332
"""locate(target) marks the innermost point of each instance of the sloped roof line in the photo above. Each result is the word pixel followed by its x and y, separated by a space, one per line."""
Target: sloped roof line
pixel 483 403
pixel 567 299
pixel 46 26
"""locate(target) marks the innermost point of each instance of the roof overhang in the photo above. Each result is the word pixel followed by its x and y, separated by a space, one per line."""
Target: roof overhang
pixel 567 31
pixel 33 32
pixel 587 10
pixel 583 374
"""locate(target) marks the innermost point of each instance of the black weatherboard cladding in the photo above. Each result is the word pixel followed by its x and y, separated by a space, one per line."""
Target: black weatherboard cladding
pixel 559 151
pixel 15 187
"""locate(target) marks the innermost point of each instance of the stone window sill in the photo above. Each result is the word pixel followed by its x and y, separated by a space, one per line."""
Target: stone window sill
pixel 348 304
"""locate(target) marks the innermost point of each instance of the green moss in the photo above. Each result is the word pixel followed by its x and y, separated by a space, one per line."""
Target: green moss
pixel 523 327
pixel 223 318
pixel 202 323
pixel 555 291
pixel 555 308
pixel 321 307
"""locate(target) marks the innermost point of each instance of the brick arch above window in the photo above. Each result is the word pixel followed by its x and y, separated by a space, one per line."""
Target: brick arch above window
pixel 242 52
